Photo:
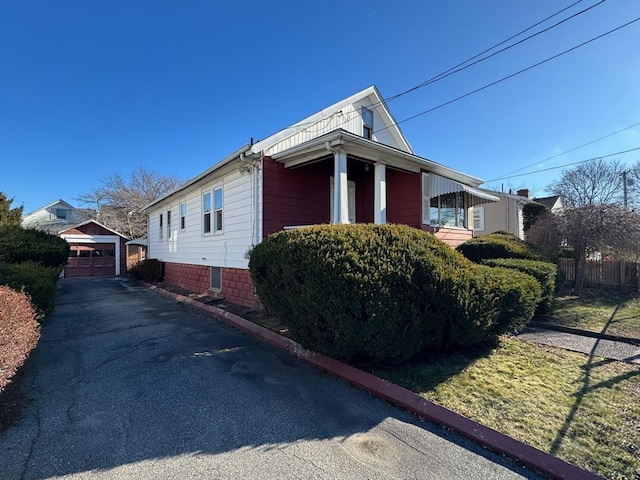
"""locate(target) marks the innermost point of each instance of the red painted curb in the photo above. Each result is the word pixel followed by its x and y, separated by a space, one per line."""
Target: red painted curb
pixel 532 457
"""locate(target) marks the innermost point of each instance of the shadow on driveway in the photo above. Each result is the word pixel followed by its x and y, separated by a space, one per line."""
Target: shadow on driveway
pixel 129 384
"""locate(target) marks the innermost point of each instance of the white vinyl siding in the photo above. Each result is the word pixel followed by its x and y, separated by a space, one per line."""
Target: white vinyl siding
pixel 348 118
pixel 226 248
pixel 504 215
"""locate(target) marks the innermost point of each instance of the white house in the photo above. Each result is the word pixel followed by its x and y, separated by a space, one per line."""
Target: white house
pixel 349 163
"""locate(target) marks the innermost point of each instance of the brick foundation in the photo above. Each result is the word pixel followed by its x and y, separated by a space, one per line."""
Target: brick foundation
pixel 237 286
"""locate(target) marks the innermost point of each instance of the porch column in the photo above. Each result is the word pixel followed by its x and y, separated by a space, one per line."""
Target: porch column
pixel 340 188
pixel 379 194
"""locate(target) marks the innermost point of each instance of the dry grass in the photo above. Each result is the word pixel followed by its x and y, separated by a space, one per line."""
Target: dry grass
pixel 584 410
pixel 610 312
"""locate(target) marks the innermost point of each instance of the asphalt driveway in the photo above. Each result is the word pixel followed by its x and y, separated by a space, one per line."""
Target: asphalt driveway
pixel 127 383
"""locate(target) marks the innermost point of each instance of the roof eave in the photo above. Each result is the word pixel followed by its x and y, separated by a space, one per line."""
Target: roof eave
pixel 189 183
pixel 369 149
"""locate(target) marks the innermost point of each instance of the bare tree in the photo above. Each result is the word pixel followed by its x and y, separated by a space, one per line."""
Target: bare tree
pixel 587 229
pixel 595 182
pixel 633 186
pixel 118 202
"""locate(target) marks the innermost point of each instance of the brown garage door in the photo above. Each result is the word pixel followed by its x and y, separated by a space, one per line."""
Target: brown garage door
pixel 91 259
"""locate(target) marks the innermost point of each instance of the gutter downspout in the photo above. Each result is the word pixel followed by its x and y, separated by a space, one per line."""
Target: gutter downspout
pixel 254 165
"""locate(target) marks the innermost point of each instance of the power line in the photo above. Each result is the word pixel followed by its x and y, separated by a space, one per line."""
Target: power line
pixel 572 149
pixel 456 69
pixel 565 165
pixel 509 76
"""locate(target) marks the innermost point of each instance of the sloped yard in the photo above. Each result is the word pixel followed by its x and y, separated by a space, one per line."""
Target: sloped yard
pixel 610 312
pixel 582 409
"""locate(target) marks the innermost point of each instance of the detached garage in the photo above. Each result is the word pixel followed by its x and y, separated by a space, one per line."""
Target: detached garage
pixel 95 250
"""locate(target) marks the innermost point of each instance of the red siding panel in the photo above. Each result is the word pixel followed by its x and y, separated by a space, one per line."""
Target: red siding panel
pixel 404 198
pixel 298 196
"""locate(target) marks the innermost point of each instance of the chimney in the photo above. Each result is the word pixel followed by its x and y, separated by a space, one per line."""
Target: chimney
pixel 523 192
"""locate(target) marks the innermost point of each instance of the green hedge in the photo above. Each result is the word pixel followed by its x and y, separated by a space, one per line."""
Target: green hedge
pixel 544 272
pixel 500 245
pixel 384 292
pixel 39 282
pixel 149 270
pixel 19 245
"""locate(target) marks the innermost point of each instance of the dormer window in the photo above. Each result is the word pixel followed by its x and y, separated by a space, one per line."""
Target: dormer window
pixel 61 213
pixel 367 123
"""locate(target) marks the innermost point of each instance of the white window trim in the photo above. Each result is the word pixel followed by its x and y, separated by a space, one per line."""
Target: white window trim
pixel 366 125
pixel 213 212
pixel 216 230
pixel 182 219
pixel 478 213
pixel 168 220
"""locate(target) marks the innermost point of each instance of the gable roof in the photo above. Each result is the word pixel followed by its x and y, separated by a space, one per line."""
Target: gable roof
pixel 548 202
pixel 374 101
pixel 57 202
pixel 333 126
pixel 95 222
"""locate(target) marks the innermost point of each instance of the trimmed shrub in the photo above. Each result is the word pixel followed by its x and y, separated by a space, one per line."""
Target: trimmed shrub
pixel 517 295
pixel 544 272
pixel 19 332
pixel 39 282
pixel 384 292
pixel 19 245
pixel 500 245
pixel 149 270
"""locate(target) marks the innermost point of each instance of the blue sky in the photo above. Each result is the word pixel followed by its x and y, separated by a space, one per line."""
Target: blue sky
pixel 91 88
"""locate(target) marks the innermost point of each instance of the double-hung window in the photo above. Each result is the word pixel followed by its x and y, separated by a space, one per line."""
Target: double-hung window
pixel 161 227
pixel 367 123
pixel 206 212
pixel 212 210
pixel 218 209
pixel 183 215
pixel 168 224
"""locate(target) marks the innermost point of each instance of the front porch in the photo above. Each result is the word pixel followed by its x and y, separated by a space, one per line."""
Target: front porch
pixel 359 181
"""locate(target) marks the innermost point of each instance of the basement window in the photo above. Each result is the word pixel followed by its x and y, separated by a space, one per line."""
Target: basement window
pixel 215 278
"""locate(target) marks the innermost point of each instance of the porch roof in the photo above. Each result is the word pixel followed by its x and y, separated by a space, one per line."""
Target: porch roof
pixel 375 152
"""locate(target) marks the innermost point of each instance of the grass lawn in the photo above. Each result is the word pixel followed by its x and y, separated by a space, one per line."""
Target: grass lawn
pixel 581 409
pixel 611 312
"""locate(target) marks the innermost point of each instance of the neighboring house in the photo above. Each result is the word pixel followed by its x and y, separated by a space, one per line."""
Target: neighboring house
pixel 349 163
pixel 553 203
pixel 95 250
pixel 54 217
pixel 506 215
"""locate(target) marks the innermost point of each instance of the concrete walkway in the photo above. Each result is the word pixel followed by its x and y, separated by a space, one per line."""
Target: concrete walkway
pixel 597 347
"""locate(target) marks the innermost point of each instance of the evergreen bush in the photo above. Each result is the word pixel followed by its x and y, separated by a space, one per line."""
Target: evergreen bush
pixel 500 245
pixel 39 282
pixel 19 245
pixel 149 270
pixel 544 272
pixel 384 292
